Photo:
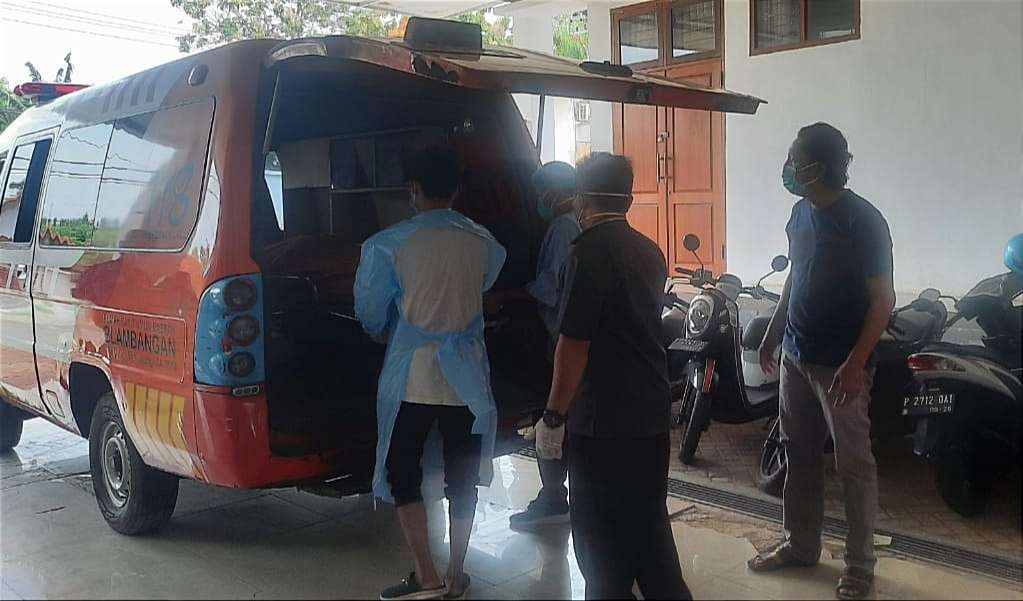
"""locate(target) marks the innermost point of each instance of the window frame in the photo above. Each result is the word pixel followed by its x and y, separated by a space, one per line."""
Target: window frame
pixel 669 32
pixel 654 7
pixel 204 175
pixel 665 43
pixel 25 140
pixel 803 27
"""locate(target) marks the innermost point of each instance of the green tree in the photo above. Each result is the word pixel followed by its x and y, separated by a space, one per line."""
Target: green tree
pixel 497 30
pixel 219 21
pixel 10 105
pixel 571 39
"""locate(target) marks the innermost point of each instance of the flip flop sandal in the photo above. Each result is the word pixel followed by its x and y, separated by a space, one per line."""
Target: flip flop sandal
pixel 855 583
pixel 779 558
pixel 459 592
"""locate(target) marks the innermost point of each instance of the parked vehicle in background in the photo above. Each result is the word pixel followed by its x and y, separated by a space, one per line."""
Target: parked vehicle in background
pixel 157 297
pixel 911 328
pixel 966 400
pixel 725 382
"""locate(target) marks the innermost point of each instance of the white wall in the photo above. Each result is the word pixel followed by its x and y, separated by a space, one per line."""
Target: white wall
pixel 931 100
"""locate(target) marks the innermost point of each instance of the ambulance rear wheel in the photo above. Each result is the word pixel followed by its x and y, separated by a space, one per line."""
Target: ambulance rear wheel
pixel 133 497
pixel 10 427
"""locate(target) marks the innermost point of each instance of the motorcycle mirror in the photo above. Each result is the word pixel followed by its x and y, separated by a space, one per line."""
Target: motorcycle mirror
pixel 930 294
pixel 780 263
pixel 691 242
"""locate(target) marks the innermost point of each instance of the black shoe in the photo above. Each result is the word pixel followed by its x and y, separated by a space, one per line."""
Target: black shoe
pixel 539 514
pixel 411 589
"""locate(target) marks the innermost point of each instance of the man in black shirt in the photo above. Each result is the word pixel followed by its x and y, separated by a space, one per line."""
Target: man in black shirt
pixel 835 306
pixel 610 380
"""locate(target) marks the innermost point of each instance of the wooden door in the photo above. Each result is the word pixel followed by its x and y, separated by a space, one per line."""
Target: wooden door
pixel 695 173
pixel 678 154
pixel 637 130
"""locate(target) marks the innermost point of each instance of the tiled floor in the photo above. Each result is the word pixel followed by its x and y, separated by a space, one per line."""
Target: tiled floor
pixel 284 544
pixel 909 501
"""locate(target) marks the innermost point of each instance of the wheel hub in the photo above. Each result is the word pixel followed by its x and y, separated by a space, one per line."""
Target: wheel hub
pixel 116 463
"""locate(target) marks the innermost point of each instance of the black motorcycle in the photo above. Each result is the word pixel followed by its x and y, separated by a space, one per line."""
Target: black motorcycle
pixel 965 400
pixel 909 330
pixel 724 381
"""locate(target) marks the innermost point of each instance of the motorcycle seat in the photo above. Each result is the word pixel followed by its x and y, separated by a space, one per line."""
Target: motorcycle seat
pixel 753 333
pixel 911 326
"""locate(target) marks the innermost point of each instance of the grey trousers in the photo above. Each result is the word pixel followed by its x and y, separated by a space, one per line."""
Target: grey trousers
pixel 807 418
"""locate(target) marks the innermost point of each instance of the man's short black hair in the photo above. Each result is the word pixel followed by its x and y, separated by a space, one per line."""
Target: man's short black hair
pixel 436 170
pixel 824 143
pixel 605 173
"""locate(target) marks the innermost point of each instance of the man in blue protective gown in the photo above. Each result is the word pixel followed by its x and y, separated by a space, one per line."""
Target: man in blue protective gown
pixel 420 286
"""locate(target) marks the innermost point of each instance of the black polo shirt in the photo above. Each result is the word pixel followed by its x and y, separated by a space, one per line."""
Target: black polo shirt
pixel 614 290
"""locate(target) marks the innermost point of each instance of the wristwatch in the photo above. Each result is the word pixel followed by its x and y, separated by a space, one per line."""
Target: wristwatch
pixel 553 419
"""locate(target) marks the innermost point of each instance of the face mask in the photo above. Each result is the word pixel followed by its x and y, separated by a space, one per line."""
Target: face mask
pixel 546 213
pixel 788 179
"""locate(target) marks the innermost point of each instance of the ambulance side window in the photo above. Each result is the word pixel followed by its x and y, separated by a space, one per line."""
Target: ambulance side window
pixel 73 185
pixel 152 178
pixel 21 191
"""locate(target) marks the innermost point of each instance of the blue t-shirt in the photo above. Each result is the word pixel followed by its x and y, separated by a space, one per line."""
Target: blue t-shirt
pixel 834 251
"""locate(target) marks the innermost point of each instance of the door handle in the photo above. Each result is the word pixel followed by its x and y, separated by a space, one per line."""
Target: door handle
pixel 21 272
pixel 663 174
pixel 663 136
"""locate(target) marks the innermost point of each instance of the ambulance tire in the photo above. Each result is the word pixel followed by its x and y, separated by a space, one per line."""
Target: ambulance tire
pixel 10 427
pixel 133 497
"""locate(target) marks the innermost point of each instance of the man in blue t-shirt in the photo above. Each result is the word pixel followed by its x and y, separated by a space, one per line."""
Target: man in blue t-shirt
pixel 835 306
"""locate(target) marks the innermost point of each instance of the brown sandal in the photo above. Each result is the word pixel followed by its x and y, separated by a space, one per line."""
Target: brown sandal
pixel 855 583
pixel 778 558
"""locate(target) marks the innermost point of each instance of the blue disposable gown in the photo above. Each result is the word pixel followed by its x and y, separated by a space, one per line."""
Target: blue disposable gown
pixel 462 354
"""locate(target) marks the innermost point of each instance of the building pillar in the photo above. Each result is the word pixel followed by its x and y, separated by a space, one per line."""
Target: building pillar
pixel 534 30
pixel 598 26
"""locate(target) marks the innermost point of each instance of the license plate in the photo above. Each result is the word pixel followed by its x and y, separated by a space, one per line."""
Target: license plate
pixel 929 403
pixel 688 345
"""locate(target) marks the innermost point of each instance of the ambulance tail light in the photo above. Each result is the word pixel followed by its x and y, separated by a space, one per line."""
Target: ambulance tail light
pixel 228 333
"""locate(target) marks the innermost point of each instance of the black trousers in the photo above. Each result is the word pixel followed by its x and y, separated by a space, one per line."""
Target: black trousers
pixel 620 523
pixel 461 455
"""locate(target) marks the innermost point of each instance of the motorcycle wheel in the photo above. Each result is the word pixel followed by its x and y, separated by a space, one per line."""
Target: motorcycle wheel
pixel 963 485
pixel 695 419
pixel 773 465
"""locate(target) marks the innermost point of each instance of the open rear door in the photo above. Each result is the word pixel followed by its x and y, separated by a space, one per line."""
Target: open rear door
pixel 514 70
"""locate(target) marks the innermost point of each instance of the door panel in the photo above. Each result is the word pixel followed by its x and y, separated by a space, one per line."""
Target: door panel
pixel 18 201
pixel 636 137
pixel 693 219
pixel 695 197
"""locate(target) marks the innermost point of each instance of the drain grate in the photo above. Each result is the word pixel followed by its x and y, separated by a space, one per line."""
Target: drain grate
pixel 904 545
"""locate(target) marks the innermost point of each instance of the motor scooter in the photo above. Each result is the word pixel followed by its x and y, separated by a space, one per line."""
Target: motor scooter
pixel 909 330
pixel 965 400
pixel 724 381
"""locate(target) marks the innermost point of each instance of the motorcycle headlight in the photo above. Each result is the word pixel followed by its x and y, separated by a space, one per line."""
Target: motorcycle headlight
pixel 700 313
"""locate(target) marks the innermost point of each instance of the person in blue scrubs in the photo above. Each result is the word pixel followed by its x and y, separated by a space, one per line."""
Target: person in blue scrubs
pixel 554 184
pixel 420 286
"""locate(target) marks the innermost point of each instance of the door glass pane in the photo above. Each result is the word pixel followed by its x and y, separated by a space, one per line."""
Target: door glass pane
pixel 73 185
pixel 830 18
pixel 693 29
pixel 18 204
pixel 777 22
pixel 637 38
